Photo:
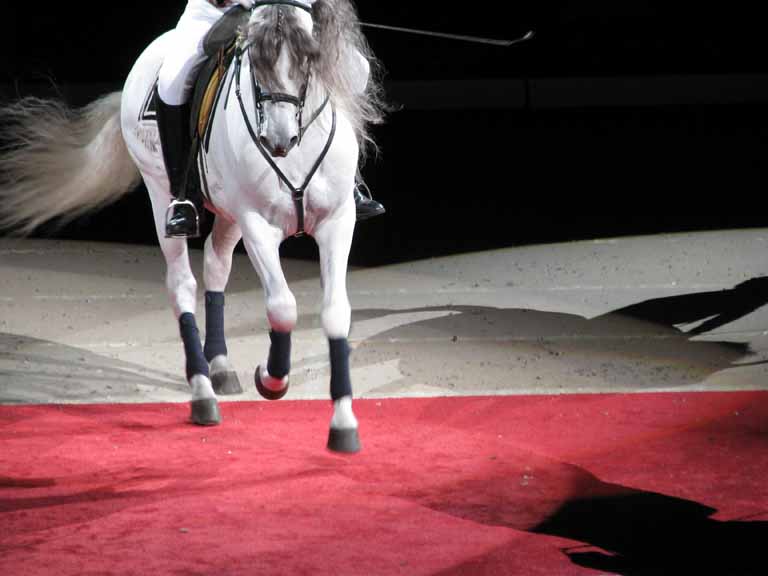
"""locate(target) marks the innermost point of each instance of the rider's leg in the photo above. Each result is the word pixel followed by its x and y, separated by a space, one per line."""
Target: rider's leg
pixel 174 86
pixel 365 206
pixel 173 126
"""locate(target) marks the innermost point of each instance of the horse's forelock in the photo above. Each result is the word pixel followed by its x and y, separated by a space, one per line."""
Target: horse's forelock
pixel 277 27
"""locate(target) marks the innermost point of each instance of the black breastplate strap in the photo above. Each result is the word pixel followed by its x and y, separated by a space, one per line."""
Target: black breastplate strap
pixel 297 193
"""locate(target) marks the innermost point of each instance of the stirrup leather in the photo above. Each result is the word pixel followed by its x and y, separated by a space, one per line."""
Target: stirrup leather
pixel 182 220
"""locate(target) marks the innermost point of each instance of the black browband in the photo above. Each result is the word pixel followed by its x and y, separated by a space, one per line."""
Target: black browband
pixel 295 3
pixel 259 3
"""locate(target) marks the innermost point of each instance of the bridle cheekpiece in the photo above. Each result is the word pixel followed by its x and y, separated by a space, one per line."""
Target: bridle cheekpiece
pixel 260 95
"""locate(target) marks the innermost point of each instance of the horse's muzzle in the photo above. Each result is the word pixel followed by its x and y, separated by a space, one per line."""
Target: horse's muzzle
pixel 278 150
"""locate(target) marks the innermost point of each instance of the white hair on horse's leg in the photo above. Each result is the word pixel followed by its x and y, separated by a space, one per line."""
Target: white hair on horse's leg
pixel 217 252
pixel 180 281
pixel 282 312
pixel 335 318
pixel 343 417
pixel 220 363
pixel 334 240
pixel 262 243
pixel 201 387
pixel 205 407
pixel 61 163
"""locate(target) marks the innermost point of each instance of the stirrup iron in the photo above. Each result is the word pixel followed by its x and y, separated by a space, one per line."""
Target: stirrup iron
pixel 182 220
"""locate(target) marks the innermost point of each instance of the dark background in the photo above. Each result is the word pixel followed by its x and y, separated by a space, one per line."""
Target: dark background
pixel 619 118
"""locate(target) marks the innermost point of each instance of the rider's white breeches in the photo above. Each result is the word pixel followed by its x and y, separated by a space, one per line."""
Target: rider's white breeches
pixel 185 54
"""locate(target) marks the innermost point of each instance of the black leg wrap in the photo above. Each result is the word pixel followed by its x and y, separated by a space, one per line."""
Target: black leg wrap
pixel 341 385
pixel 215 345
pixel 196 363
pixel 279 361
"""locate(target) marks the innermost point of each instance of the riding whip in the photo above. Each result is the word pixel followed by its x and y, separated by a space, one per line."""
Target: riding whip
pixel 476 39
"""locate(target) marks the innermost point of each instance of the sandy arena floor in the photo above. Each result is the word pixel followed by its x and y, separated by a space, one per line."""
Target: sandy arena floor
pixel 88 322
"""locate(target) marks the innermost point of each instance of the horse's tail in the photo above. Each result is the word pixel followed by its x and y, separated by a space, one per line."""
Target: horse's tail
pixel 58 163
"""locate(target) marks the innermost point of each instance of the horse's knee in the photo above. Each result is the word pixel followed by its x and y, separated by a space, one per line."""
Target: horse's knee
pixel 281 312
pixel 336 318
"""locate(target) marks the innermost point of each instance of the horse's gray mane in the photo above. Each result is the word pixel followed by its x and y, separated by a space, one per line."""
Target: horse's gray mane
pixel 331 51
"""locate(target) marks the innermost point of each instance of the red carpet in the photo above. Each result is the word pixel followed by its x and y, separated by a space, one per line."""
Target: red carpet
pixel 595 484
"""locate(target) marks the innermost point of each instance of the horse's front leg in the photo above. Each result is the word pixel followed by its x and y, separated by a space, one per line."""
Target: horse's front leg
pixel 182 290
pixel 262 242
pixel 219 247
pixel 334 239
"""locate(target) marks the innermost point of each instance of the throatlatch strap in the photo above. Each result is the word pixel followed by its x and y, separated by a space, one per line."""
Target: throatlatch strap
pixel 215 344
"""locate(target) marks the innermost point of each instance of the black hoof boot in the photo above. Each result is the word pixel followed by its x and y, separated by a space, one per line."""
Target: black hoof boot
pixel 226 383
pixel 205 412
pixel 181 220
pixel 365 206
pixel 265 392
pixel 345 441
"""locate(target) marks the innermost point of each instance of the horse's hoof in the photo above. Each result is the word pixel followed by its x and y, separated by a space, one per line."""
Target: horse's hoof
pixel 345 440
pixel 205 412
pixel 268 393
pixel 226 383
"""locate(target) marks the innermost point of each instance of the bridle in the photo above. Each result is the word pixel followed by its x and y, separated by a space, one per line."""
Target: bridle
pixel 260 96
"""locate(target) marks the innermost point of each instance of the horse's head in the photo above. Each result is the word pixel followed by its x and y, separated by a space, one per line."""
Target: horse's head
pixel 281 50
pixel 309 49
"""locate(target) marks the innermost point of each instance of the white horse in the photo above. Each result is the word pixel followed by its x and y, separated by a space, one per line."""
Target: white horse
pixel 295 104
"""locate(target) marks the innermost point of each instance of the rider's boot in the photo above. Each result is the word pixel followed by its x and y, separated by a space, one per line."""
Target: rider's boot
pixel 181 218
pixel 366 207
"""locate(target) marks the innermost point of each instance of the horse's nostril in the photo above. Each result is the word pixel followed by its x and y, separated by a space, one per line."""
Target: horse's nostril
pixel 294 141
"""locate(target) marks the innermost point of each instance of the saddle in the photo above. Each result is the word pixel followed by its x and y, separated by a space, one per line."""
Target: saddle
pixel 219 48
